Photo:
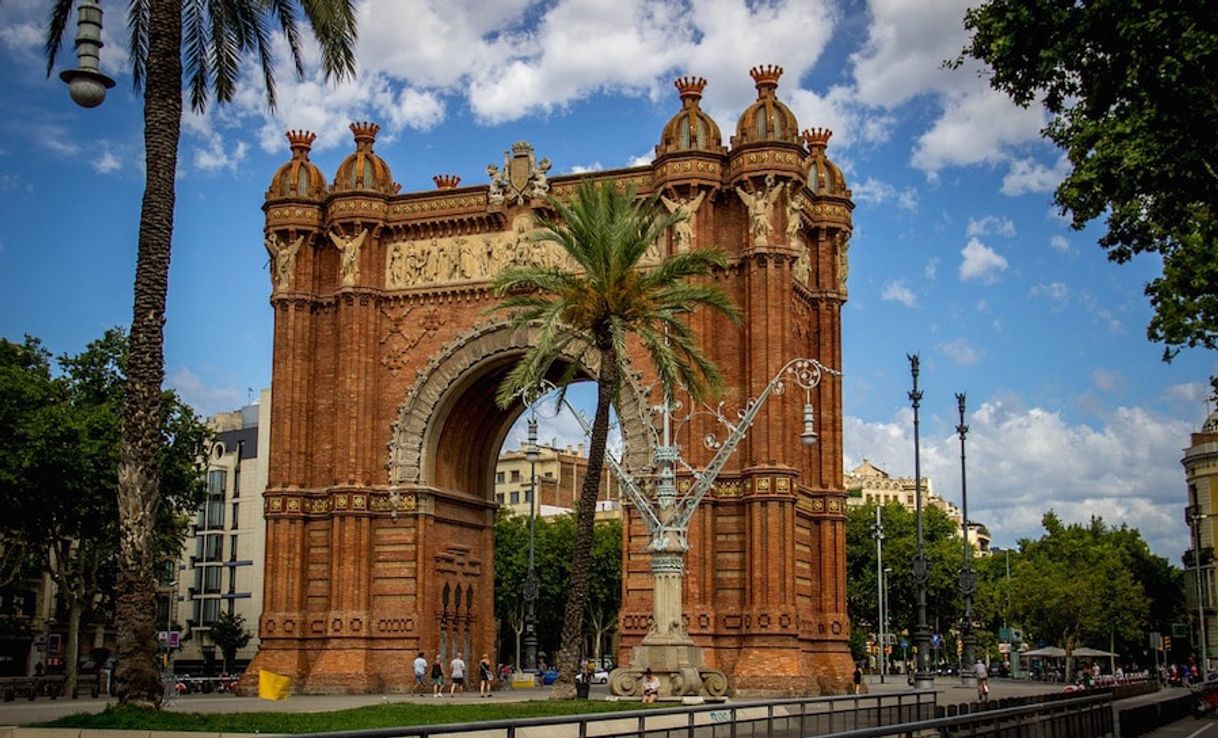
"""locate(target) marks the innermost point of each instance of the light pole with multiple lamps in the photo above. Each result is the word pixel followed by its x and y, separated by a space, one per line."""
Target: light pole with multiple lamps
pixel 531 454
pixel 923 677
pixel 667 649
pixel 878 533
pixel 86 84
pixel 1194 520
pixel 968 581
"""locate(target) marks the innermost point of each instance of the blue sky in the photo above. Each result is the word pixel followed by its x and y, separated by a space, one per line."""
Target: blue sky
pixel 957 252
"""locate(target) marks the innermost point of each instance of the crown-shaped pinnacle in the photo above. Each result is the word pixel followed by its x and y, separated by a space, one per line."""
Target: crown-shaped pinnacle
pixel 365 133
pixel 817 137
pixel 446 181
pixel 766 75
pixel 301 141
pixel 690 87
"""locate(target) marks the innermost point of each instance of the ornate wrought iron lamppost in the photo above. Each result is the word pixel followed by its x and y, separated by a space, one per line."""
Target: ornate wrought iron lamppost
pixel 531 454
pixel 968 580
pixel 667 649
pixel 86 84
pixel 923 677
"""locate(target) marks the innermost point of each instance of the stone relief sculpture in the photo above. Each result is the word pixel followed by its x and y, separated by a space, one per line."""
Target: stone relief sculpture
pixel 522 178
pixel 283 260
pixel 759 205
pixel 683 232
pixel 348 267
pixel 801 269
pixel 843 259
pixel 795 210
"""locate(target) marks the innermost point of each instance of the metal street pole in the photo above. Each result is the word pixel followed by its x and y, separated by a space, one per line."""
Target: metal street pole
pixel 530 582
pixel 1203 657
pixel 968 581
pixel 884 614
pixel 923 678
pixel 879 586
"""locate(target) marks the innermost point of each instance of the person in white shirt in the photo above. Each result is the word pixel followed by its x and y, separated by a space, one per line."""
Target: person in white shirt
pixel 651 687
pixel 983 681
pixel 420 673
pixel 456 672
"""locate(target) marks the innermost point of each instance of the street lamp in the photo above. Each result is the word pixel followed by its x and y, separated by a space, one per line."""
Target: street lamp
pixel 923 678
pixel 86 84
pixel 1194 519
pixel 878 532
pixel 968 581
pixel 531 454
pixel 667 649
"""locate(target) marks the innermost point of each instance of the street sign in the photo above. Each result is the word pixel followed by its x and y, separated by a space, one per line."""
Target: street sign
pixel 1004 634
pixel 904 643
pixel 935 639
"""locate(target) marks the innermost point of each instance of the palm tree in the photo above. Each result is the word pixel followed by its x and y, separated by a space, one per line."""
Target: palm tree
pixel 210 38
pixel 589 313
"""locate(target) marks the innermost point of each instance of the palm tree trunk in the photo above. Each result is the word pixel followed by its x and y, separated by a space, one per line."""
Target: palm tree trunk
pixel 577 592
pixel 138 675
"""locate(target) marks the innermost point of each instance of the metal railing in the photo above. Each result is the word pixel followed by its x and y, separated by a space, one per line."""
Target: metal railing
pixel 1080 717
pixel 786 718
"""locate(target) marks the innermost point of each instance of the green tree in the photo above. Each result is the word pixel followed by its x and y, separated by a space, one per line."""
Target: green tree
pixel 589 313
pixel 230 635
pixel 604 584
pixel 1076 584
pixel 201 44
pixel 59 500
pixel 1130 86
pixel 942 547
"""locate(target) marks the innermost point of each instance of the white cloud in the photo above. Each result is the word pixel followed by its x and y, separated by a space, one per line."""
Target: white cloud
pixel 205 399
pixel 1189 393
pixel 1024 462
pixel 980 262
pixel 640 161
pixel 216 157
pixel 1060 243
pixel 107 163
pixel 906 44
pixel 1055 292
pixel 875 191
pixel 1107 380
pixel 595 166
pixel 898 291
pixel 1029 175
pixel 978 126
pixel 932 268
pixel 416 109
pixel 961 352
pixel 990 225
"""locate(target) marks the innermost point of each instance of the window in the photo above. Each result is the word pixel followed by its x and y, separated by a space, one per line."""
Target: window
pixel 549 475
pixel 498 477
pixel 217 479
pixel 515 498
pixel 235 508
pixel 232 548
pixel 515 475
pixel 207 611
pixel 499 497
pixel 208 549
pixel 528 495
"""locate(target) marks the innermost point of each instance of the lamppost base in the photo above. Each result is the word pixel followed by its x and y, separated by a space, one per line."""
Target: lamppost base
pixel 924 681
pixel 968 679
pixel 676 662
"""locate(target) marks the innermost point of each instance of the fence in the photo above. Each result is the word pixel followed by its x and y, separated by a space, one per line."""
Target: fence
pixel 788 718
pixel 1078 717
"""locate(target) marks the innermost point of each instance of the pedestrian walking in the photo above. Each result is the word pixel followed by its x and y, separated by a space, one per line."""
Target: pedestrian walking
pixel 457 674
pixel 983 681
pixel 437 677
pixel 420 673
pixel 485 676
pixel 858 678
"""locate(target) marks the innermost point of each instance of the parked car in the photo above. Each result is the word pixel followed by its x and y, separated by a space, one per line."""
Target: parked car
pixel 600 676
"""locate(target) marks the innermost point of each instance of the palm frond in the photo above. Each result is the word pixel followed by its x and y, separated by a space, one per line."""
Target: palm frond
pixel 137 46
pixel 285 12
pixel 333 23
pixel 61 10
pixel 195 56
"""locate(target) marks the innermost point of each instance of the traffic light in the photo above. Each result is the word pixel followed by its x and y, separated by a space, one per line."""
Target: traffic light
pixel 1166 643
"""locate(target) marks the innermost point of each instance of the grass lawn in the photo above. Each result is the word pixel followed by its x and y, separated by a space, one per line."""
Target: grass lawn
pixel 374 716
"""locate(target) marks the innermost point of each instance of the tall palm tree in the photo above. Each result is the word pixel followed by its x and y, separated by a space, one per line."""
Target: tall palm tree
pixel 589 312
pixel 208 37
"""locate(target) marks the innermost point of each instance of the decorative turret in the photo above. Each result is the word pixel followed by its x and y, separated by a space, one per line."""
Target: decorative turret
pixel 823 176
pixel 364 170
pixel 299 179
pixel 691 128
pixel 767 119
pixel 446 181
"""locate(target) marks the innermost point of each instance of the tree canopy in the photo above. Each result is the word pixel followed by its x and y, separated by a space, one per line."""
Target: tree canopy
pixel 1132 88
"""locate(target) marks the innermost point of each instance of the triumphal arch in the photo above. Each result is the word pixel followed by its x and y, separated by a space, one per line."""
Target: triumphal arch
pixel 384 432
